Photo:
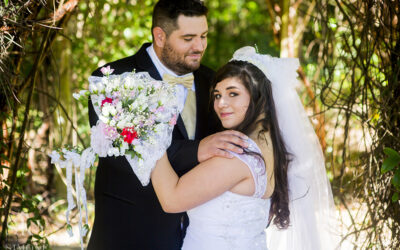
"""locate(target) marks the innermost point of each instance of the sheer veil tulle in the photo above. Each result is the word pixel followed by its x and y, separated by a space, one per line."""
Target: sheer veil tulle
pixel 311 203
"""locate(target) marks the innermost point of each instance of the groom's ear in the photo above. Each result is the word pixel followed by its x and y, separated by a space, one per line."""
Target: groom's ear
pixel 159 37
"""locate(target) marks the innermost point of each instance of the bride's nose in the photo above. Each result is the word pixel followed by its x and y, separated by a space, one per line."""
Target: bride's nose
pixel 222 102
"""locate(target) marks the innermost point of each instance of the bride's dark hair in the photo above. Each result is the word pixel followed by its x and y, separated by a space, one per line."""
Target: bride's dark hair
pixel 262 105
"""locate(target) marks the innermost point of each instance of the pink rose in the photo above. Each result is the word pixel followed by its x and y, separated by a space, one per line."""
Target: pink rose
pixel 107 70
pixel 173 120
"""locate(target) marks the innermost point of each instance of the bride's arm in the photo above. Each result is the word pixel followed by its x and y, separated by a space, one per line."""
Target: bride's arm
pixel 206 181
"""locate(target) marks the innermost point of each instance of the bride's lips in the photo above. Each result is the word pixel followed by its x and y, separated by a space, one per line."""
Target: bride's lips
pixel 224 115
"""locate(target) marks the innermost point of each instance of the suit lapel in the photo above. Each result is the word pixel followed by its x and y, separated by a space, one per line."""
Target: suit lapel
pixel 202 97
pixel 181 127
pixel 145 63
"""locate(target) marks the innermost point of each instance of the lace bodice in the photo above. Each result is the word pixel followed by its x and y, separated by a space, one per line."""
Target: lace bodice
pixel 232 221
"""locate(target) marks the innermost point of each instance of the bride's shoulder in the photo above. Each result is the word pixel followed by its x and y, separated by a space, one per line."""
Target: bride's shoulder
pixel 223 161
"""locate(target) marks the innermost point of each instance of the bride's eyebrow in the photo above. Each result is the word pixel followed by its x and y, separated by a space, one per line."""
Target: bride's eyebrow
pixel 231 87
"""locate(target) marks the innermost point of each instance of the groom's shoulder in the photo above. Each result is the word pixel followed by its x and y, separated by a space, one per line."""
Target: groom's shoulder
pixel 205 71
pixel 120 66
pixel 126 64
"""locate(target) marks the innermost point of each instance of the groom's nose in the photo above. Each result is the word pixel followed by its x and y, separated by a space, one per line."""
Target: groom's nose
pixel 199 45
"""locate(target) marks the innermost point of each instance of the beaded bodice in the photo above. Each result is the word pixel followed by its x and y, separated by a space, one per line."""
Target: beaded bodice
pixel 232 221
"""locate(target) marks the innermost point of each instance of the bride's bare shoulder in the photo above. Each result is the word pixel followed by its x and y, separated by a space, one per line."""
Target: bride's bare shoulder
pixel 230 164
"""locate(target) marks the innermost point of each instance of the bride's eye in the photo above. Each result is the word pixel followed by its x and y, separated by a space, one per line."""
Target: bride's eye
pixel 233 94
pixel 217 96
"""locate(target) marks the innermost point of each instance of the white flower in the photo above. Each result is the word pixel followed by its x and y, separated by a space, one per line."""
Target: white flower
pixel 108 109
pixel 81 93
pixel 93 88
pixel 113 152
pixel 129 83
pixel 55 157
pixel 100 87
pixel 119 106
pixel 104 119
pixel 124 146
pixel 121 124
pixel 108 89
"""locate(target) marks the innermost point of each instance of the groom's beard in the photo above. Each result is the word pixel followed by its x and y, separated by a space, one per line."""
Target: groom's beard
pixel 176 62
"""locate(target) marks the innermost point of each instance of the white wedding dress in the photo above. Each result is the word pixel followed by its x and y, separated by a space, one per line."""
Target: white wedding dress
pixel 232 221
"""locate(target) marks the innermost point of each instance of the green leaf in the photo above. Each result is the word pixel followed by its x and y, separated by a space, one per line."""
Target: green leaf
pixel 391 153
pixel 42 222
pixel 6 2
pixel 389 164
pixel 38 237
pixel 396 179
pixel 391 161
pixel 131 153
pixel 395 197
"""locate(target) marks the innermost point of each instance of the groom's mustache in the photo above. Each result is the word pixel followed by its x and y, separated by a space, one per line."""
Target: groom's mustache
pixel 196 53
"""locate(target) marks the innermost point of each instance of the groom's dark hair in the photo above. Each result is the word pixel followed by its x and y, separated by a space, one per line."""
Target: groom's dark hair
pixel 166 13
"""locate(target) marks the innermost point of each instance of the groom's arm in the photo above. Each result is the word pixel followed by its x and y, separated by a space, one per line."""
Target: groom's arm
pixel 183 155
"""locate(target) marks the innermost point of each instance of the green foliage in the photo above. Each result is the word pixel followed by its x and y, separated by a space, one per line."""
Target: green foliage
pixel 36 241
pixel 392 160
pixel 234 24
pixel 104 31
pixel 392 164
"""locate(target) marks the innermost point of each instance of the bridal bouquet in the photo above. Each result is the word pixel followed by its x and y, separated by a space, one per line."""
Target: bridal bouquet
pixel 136 118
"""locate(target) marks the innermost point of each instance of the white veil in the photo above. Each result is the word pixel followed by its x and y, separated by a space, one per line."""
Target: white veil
pixel 310 198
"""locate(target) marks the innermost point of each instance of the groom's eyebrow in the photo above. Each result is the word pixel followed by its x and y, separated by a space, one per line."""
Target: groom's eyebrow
pixel 193 35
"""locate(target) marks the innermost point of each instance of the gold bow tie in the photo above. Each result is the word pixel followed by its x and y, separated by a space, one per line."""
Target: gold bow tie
pixel 186 81
pixel 189 110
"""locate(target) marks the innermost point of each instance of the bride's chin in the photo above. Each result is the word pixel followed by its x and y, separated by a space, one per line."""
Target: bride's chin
pixel 227 126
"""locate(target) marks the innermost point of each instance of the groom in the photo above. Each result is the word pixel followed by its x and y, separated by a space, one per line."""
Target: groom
pixel 128 215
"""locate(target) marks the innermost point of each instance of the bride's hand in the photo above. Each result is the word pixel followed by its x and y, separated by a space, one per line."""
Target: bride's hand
pixel 216 144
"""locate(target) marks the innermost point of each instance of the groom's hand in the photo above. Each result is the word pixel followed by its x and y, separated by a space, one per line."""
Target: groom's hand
pixel 216 144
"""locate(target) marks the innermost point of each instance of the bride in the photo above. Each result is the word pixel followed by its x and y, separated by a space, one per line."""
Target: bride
pixel 231 201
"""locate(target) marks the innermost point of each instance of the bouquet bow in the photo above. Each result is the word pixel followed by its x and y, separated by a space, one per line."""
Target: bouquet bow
pixel 136 115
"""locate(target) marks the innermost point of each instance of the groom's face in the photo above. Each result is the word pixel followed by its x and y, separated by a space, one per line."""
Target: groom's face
pixel 185 46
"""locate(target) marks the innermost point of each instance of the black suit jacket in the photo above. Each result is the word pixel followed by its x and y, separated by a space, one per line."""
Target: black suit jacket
pixel 128 215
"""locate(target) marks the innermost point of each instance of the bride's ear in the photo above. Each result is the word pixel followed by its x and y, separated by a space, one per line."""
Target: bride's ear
pixel 159 37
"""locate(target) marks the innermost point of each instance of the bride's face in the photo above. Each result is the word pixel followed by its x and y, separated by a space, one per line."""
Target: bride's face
pixel 231 100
